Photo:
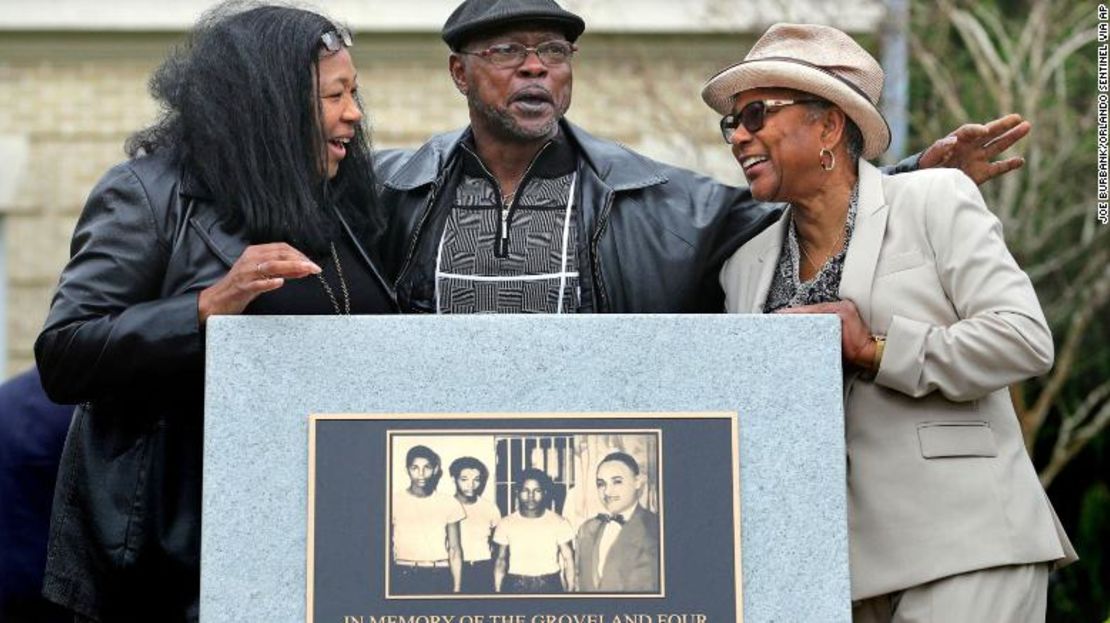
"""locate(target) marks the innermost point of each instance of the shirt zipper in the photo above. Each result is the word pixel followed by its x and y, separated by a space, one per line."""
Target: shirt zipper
pixel 503 238
pixel 502 249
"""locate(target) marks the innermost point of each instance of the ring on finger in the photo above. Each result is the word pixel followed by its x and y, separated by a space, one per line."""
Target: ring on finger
pixel 261 274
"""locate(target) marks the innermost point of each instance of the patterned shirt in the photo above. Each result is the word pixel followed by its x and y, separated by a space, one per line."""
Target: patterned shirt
pixel 511 254
pixel 787 288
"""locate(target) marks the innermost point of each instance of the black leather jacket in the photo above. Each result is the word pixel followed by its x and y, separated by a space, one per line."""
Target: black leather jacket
pixel 123 339
pixel 654 236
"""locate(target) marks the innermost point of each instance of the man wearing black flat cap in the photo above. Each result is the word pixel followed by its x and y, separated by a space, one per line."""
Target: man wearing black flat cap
pixel 524 212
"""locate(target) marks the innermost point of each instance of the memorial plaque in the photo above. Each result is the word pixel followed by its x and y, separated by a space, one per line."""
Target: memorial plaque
pixel 380 385
pixel 679 510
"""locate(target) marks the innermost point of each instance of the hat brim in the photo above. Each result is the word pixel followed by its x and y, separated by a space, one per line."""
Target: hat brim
pixel 720 92
pixel 571 25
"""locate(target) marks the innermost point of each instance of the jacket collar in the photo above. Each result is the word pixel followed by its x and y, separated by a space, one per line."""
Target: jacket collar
pixel 224 241
pixel 425 164
pixel 228 244
pixel 766 247
pixel 192 186
pixel 867 240
pixel 859 263
pixel 618 167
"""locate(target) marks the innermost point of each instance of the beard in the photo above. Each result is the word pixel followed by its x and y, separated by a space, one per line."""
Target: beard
pixel 499 121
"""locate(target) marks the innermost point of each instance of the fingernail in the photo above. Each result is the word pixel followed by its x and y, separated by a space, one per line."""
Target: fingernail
pixel 311 266
pixel 948 140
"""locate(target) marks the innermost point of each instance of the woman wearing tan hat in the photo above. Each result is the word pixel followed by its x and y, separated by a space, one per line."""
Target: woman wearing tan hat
pixel 948 521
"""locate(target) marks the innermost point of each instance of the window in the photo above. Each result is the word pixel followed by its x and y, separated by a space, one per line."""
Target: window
pixel 552 454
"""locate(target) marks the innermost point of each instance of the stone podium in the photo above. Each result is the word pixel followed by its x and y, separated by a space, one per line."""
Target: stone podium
pixel 780 374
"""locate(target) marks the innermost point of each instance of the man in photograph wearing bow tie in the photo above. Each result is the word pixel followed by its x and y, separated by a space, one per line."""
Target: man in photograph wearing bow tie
pixel 618 551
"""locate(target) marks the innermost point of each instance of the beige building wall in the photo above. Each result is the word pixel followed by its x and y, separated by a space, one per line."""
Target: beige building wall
pixel 66 104
pixel 69 100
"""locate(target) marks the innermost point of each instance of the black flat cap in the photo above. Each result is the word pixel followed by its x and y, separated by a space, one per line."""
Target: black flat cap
pixel 474 16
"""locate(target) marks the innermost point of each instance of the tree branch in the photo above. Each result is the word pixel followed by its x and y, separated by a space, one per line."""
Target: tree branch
pixel 943 85
pixel 1076 432
pixel 994 72
pixel 1040 271
pixel 1063 306
pixel 1037 16
pixel 1063 51
pixel 1065 359
pixel 991 21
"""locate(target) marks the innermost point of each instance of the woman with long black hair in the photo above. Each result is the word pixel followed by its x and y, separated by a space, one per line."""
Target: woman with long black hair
pixel 253 193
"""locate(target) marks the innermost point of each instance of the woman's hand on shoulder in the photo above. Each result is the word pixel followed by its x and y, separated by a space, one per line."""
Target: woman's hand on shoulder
pixel 261 268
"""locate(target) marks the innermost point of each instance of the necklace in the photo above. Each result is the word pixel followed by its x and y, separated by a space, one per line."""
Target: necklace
pixel 342 285
pixel 828 255
pixel 849 217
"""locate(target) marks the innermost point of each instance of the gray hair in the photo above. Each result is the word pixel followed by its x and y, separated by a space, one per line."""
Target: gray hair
pixel 851 130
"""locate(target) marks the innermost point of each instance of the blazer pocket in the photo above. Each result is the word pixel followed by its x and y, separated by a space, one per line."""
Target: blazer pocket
pixel 956 439
pixel 898 263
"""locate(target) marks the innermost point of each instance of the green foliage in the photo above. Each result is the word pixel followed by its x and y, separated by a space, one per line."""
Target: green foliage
pixel 977 60
pixel 1081 592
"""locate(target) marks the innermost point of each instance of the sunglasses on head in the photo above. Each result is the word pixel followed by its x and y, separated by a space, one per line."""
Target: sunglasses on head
pixel 754 115
pixel 336 40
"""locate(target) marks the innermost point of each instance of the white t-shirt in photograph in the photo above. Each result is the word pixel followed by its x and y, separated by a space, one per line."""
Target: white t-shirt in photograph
pixel 420 525
pixel 533 542
pixel 481 518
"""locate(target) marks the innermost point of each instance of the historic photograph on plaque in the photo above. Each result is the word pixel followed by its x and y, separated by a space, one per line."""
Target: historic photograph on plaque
pixel 524 512
pixel 524 518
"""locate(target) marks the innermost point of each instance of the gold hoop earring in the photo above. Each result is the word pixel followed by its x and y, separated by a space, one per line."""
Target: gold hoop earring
pixel 832 159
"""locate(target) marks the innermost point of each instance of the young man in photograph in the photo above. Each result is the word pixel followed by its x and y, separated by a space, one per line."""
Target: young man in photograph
pixel 534 552
pixel 618 551
pixel 482 516
pixel 427 554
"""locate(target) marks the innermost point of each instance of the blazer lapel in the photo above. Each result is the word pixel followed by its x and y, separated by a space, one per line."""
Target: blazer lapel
pixel 867 240
pixel 367 261
pixel 759 274
pixel 591 554
pixel 216 233
pixel 210 225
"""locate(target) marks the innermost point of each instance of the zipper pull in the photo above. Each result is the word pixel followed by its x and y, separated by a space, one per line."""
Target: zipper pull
pixel 503 243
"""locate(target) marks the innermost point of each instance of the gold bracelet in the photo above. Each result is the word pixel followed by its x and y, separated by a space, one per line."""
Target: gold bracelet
pixel 880 345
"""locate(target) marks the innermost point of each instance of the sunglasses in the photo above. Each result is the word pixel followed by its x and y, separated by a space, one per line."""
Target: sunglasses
pixel 336 40
pixel 754 115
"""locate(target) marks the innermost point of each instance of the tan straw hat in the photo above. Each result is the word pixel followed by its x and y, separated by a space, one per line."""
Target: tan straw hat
pixel 819 60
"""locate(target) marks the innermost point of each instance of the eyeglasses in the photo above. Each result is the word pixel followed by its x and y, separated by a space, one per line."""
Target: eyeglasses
pixel 512 55
pixel 335 40
pixel 754 115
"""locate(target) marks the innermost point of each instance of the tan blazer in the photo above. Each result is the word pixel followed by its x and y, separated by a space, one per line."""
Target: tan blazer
pixel 939 481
